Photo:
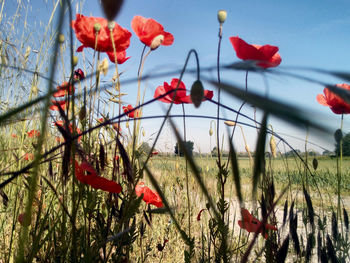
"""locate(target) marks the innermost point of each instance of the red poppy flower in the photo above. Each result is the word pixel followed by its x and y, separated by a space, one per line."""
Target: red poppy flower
pixel 64 89
pixel 28 156
pixel 149 196
pixel 56 103
pixel 150 32
pixel 154 153
pixel 79 74
pixel 266 55
pixel 84 30
pixel 251 224
pixel 13 135
pixel 121 57
pixel 86 174
pixel 181 96
pixel 333 101
pixel 33 133
pixel 131 114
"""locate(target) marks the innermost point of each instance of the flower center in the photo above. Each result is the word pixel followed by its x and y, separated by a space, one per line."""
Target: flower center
pixel 156 42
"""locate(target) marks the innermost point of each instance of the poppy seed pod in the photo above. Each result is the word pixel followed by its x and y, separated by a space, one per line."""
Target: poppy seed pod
pixel 97 27
pixel 75 60
pixel 222 14
pixel 82 113
pixel 111 25
pixel 197 93
pixel 61 38
pixel 111 8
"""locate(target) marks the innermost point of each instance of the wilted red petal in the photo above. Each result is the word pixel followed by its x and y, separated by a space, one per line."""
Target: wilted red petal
pixel 84 30
pixel 266 55
pixel 200 214
pixel 147 29
pixel 149 196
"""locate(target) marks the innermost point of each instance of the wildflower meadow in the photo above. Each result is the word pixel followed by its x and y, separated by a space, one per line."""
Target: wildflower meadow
pixel 87 174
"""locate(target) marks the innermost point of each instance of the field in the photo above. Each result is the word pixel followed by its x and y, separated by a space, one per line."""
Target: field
pixel 84 174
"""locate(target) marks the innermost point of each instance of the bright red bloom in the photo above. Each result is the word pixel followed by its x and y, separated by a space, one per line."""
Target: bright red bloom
pixel 251 224
pixel 154 153
pixel 131 114
pixel 56 103
pixel 84 30
pixel 266 55
pixel 64 89
pixel 28 156
pixel 121 57
pixel 150 32
pixel 33 133
pixel 181 96
pixel 79 74
pixel 333 101
pixel 86 174
pixel 149 196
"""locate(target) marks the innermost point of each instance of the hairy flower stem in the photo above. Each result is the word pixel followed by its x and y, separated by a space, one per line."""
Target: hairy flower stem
pixel 219 93
pixel 339 170
pixel 187 187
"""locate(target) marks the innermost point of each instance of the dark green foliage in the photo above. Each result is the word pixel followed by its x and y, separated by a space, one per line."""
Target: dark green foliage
pixel 309 246
pixel 330 251
pixel 346 219
pixel 285 211
pixel 189 148
pixel 282 251
pixel 310 208
pixel 335 232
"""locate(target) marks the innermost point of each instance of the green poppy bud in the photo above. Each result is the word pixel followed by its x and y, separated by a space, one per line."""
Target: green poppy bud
pixel 197 93
pixel 338 135
pixel 222 14
pixel 75 60
pixel 61 38
pixel 111 25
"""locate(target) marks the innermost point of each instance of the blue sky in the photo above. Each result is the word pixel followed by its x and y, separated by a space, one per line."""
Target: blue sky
pixel 308 34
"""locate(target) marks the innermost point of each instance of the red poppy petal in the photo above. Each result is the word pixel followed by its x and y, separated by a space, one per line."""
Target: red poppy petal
pixel 168 39
pixel 322 100
pixel 244 50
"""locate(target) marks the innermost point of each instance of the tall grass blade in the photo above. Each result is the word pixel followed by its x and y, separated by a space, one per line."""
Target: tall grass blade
pixel 330 251
pixel 235 172
pixel 259 160
pixel 283 251
pixel 310 208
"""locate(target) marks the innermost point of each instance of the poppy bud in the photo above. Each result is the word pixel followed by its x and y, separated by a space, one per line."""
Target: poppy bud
pixel 97 27
pixel 338 135
pixel 230 123
pixel 35 90
pixel 273 147
pixel 197 93
pixel 127 124
pixel 210 131
pixel 75 60
pixel 156 42
pixel 315 163
pixel 61 38
pixel 111 8
pixel 247 148
pixel 143 133
pixel 82 113
pixel 222 14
